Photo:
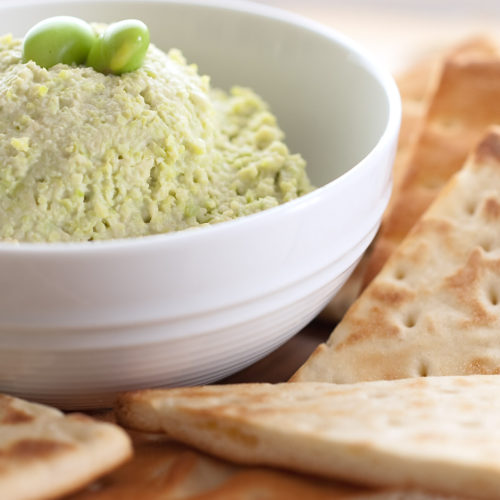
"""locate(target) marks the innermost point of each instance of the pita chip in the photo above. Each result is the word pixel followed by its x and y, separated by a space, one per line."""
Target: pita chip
pixel 439 433
pixel 45 454
pixel 164 469
pixel 416 86
pixel 434 309
pixel 465 101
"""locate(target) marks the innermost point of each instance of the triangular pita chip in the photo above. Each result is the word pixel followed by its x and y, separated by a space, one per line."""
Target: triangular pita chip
pixel 416 86
pixel 45 454
pixel 434 309
pixel 465 102
pixel 439 433
pixel 163 469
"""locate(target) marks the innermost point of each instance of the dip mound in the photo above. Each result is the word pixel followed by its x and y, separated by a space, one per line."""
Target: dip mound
pixel 87 156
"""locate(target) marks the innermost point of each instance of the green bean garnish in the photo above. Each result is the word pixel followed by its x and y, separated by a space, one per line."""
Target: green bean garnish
pixel 62 39
pixel 121 48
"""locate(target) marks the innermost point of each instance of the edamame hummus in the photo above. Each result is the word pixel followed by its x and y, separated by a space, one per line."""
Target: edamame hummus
pixel 86 155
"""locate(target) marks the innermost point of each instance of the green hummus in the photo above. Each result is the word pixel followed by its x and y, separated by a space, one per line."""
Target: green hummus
pixel 87 156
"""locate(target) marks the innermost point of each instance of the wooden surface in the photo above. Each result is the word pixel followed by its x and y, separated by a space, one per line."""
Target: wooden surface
pixel 398 32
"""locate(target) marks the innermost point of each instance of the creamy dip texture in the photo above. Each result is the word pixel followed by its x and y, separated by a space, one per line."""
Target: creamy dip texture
pixel 87 156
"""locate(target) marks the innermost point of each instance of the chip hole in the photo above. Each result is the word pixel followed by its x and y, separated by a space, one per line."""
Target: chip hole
pixel 471 423
pixel 493 296
pixel 471 207
pixel 400 274
pixel 487 246
pixel 395 422
pixel 423 369
pixel 410 320
pixel 449 390
pixel 450 123
pixel 433 184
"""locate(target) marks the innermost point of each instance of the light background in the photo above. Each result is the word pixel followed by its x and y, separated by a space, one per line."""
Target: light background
pixel 398 31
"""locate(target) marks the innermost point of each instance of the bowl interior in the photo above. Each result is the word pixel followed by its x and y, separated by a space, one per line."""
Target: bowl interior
pixel 326 97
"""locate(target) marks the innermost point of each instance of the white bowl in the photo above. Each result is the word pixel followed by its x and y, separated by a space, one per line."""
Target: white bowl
pixel 82 321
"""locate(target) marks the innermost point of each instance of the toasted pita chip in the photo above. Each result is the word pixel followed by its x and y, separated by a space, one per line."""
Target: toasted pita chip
pixel 163 469
pixel 44 454
pixel 434 308
pixel 466 101
pixel 416 86
pixel 440 433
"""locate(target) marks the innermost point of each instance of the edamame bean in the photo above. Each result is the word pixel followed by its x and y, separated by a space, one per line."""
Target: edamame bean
pixel 62 39
pixel 121 48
